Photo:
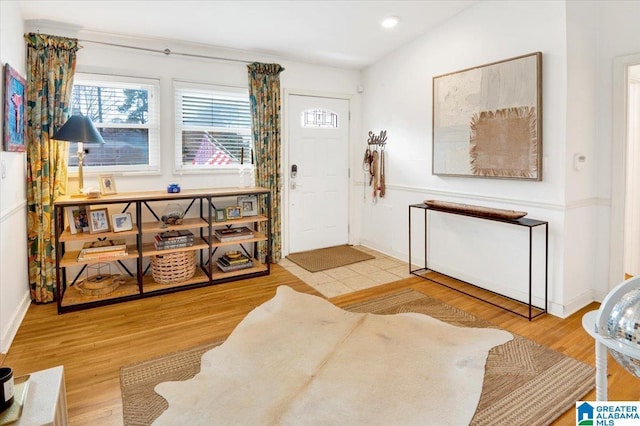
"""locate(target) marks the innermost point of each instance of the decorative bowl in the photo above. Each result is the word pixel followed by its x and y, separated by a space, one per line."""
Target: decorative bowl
pixel 233 254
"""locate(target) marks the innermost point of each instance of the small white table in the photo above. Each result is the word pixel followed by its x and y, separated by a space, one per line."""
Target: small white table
pixel 602 343
pixel 46 402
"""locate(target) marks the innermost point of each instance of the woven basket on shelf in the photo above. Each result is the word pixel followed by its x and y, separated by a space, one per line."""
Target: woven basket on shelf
pixel 173 267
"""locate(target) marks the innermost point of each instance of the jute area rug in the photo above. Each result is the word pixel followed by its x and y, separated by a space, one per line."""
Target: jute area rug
pixel 328 258
pixel 524 383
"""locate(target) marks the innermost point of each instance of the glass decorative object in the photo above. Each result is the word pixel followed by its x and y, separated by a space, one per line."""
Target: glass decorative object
pixel 173 214
pixel 623 325
pixel 615 326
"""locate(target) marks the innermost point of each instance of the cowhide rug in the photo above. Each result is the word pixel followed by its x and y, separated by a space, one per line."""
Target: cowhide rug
pixel 299 360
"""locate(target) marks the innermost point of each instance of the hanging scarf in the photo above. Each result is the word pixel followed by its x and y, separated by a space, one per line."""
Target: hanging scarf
pixel 382 187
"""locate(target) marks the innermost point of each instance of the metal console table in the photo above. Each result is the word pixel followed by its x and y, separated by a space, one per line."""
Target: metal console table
pixel 529 223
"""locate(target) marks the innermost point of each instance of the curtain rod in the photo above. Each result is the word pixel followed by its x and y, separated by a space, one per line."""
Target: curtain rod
pixel 167 52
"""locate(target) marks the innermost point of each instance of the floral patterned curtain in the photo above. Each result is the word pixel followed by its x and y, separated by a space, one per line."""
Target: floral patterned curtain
pixel 51 64
pixel 264 93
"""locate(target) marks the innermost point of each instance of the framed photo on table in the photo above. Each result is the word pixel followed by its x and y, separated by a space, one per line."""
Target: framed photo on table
pixel 121 222
pixel 107 185
pixel 234 212
pixel 249 205
pixel 99 221
pixel 77 218
pixel 221 215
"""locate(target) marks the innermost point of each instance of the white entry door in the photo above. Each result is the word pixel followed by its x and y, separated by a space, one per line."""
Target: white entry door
pixel 318 169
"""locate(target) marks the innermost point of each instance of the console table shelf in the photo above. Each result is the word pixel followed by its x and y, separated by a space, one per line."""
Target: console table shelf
pixel 533 311
pixel 137 281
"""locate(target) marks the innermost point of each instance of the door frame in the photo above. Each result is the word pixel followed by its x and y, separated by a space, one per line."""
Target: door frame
pixel 619 145
pixel 286 163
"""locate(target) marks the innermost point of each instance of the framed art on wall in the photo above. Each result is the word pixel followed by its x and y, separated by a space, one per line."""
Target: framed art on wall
pixel 14 117
pixel 487 120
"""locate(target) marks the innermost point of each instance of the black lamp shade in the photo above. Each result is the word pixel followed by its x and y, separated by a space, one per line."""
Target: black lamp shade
pixel 78 128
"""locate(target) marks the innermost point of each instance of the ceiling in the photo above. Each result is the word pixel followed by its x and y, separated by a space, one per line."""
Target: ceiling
pixel 344 34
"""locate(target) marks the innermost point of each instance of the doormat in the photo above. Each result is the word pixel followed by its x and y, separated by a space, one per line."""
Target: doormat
pixel 328 258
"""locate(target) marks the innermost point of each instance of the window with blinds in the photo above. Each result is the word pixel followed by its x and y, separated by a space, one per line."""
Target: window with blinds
pixel 125 112
pixel 213 126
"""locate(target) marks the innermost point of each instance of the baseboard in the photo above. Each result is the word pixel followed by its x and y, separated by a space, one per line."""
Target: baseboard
pixel 10 333
pixel 391 253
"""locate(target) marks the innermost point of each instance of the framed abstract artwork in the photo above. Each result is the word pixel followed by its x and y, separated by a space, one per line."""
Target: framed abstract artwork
pixel 14 124
pixel 487 120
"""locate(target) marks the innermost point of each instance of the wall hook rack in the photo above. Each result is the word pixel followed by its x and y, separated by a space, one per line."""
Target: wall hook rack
pixel 378 140
pixel 373 163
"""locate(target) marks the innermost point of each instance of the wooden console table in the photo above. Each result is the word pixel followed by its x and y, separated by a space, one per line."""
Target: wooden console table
pixel 137 280
pixel 526 222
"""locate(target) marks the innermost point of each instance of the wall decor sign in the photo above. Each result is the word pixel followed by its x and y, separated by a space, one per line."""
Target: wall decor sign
pixel 487 120
pixel 14 118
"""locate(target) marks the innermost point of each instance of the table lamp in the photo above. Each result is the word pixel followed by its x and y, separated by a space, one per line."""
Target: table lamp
pixel 80 129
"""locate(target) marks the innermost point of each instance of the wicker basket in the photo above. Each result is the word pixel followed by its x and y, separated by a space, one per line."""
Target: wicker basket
pixel 173 267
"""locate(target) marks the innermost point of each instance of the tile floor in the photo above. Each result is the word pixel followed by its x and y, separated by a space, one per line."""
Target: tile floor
pixel 357 276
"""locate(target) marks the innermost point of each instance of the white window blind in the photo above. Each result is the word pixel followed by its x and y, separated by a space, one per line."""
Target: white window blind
pixel 125 112
pixel 213 126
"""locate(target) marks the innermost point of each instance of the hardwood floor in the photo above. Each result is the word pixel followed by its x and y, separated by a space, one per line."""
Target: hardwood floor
pixel 93 344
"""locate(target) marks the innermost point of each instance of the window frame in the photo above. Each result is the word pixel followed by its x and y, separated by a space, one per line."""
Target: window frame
pixel 152 85
pixel 228 92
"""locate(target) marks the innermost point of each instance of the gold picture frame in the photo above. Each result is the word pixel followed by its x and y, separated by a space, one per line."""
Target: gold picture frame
pixel 233 212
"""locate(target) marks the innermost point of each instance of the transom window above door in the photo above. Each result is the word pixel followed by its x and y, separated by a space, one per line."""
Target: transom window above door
pixel 319 118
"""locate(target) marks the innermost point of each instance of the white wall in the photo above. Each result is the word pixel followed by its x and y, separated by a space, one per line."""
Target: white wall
pixel 618 40
pixel 14 289
pixel 97 58
pixel 397 98
pixel 579 41
pixel 14 278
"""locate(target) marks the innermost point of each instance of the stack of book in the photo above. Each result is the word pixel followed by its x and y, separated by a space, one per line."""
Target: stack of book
pixel 233 234
pixel 233 263
pixel 103 250
pixel 173 239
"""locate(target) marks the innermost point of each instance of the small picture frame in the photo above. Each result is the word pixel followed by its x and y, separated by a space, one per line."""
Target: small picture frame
pixel 77 218
pixel 221 215
pixel 99 221
pixel 233 212
pixel 107 185
pixel 121 222
pixel 249 205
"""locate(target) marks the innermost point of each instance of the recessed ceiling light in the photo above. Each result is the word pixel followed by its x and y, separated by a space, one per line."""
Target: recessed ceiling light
pixel 390 22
